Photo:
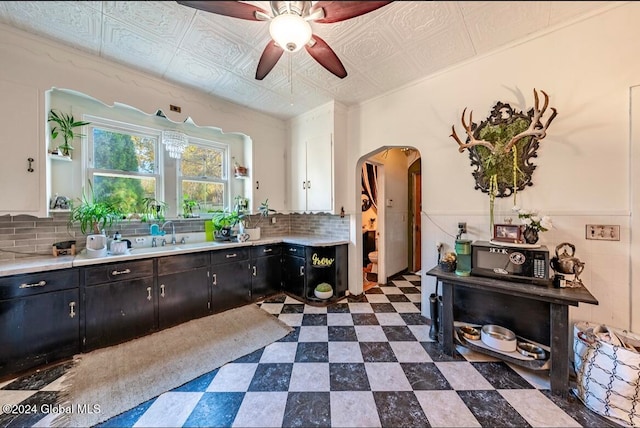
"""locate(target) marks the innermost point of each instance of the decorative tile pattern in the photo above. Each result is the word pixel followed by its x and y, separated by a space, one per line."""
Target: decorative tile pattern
pixel 383 50
pixel 342 369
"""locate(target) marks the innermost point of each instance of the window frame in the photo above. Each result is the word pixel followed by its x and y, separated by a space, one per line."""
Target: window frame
pixel 224 179
pixel 89 170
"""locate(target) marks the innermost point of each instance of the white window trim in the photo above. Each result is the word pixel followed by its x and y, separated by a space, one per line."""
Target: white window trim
pixel 88 167
pixel 224 180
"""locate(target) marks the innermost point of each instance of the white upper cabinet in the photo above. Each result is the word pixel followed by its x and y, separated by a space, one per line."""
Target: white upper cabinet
pixel 22 163
pixel 313 176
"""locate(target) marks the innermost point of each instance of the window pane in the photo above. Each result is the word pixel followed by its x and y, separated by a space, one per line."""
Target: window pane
pixel 124 192
pixel 123 152
pixel 210 196
pixel 198 161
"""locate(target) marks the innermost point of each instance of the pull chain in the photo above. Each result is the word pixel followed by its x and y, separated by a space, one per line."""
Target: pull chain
pixel 290 79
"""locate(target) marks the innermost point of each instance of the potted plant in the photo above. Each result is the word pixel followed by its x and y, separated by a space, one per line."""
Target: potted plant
pixel 222 222
pixel 153 209
pixel 94 215
pixel 251 226
pixel 188 207
pixel 323 291
pixel 65 124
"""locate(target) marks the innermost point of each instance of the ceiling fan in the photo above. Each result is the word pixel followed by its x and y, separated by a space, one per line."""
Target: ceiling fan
pixel 289 26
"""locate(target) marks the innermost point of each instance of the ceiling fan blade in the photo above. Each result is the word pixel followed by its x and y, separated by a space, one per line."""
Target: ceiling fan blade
pixel 326 57
pixel 336 11
pixel 268 60
pixel 234 9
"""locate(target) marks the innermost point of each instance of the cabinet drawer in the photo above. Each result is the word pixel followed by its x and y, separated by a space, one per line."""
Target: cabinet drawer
pixel 266 250
pixel 118 271
pixel 230 255
pixel 181 263
pixel 36 283
pixel 293 250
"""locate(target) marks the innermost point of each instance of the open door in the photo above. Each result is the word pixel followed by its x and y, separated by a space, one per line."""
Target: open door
pixel 415 207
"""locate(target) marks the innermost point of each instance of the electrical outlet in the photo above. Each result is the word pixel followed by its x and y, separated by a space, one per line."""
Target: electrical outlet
pixel 462 227
pixel 602 232
pixel 273 220
pixel 139 240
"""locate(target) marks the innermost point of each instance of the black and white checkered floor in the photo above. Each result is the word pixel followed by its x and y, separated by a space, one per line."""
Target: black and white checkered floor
pixel 366 361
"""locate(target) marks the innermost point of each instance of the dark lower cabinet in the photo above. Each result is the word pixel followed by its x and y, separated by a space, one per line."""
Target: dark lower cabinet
pixel 38 330
pixel 49 316
pixel 39 319
pixel 230 279
pixel 304 267
pixel 183 288
pixel 121 305
pixel 293 279
pixel 266 271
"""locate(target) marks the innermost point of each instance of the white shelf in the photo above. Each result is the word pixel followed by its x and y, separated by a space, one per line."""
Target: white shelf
pixel 60 158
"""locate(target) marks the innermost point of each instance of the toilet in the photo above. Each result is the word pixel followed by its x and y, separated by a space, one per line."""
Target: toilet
pixel 373 258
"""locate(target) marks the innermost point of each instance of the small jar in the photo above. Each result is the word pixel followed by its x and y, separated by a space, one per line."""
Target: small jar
pixel 559 281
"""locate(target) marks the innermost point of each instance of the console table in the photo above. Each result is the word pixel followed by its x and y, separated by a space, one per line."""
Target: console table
pixel 535 312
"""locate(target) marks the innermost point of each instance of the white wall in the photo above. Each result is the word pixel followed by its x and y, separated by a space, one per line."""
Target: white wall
pixel 44 64
pixel 582 173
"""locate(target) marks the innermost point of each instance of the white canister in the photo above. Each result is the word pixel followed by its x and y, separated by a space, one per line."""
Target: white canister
pixel 118 247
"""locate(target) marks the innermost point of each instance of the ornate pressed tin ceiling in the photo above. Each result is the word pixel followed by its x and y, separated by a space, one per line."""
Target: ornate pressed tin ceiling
pixel 382 50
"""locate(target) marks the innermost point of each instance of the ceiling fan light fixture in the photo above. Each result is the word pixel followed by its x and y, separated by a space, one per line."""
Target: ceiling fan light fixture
pixel 291 32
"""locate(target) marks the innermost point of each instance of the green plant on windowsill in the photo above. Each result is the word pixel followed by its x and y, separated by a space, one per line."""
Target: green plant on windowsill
pixel 64 125
pixel 189 206
pixel 153 209
pixel 93 215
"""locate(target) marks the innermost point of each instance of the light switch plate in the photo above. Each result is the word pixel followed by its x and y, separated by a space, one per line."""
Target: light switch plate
pixel 602 232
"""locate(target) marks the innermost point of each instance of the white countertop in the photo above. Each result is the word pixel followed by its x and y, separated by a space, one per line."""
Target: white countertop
pixel 48 263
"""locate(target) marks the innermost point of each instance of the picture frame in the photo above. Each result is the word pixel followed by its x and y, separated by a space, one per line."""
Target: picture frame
pixel 507 233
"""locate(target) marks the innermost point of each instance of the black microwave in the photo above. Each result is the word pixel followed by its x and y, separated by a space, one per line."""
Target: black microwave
pixel 511 263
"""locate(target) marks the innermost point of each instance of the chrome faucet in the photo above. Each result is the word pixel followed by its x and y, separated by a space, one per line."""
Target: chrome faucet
pixel 173 230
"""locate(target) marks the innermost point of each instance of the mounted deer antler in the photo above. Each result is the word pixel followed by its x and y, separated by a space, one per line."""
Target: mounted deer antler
pixel 536 129
pixel 473 141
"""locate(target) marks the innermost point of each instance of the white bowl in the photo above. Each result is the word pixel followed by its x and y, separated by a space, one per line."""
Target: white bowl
pixel 499 338
pixel 323 294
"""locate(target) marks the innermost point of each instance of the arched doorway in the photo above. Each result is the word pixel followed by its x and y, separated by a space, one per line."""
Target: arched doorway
pixel 396 223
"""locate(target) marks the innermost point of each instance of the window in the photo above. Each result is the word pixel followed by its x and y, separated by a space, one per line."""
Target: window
pixel 202 181
pixel 123 164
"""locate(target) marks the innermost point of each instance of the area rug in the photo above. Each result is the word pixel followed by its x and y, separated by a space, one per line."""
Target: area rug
pixel 106 382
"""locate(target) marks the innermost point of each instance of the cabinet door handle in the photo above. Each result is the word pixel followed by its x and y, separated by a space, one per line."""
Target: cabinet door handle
pixel 257 185
pixel 301 270
pixel 254 271
pixel 230 256
pixel 120 272
pixel 309 184
pixel 215 279
pixel 30 168
pixel 72 312
pixel 162 290
pixel 304 185
pixel 267 250
pixel 35 284
pixel 149 293
pixel 293 250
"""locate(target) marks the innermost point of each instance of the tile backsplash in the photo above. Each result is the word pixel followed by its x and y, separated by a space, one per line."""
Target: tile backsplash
pixel 27 236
